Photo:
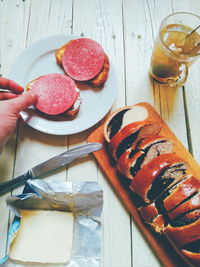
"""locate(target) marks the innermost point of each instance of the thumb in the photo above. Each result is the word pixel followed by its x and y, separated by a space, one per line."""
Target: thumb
pixel 21 102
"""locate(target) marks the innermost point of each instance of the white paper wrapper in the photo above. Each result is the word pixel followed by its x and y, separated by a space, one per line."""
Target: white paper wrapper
pixel 84 199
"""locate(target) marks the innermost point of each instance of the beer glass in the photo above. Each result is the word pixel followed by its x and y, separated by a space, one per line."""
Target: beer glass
pixel 177 46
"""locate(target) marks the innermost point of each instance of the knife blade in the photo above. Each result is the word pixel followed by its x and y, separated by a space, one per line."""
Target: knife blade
pixel 50 165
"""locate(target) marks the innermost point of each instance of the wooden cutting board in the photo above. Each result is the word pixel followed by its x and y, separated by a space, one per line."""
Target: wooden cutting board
pixel 163 249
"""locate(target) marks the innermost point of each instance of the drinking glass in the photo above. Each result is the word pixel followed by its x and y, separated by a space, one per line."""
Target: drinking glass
pixel 177 46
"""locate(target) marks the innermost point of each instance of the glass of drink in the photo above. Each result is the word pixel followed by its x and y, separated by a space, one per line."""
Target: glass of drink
pixel 177 46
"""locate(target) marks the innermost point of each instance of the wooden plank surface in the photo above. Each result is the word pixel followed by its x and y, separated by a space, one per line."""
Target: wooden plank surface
pixel 103 15
pixel 11 47
pixel 127 30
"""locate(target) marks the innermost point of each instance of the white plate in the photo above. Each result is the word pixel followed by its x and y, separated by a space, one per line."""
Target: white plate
pixel 39 59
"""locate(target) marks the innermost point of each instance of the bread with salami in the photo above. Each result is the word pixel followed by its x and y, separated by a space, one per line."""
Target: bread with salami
pixel 84 59
pixel 57 94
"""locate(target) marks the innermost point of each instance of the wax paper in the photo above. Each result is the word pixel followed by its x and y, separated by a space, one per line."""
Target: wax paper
pixel 84 199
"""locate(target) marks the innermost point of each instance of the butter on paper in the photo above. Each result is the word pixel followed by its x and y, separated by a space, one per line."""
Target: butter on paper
pixel 84 199
pixel 44 236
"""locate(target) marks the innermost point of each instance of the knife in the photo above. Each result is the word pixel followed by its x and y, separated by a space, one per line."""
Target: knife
pixel 50 165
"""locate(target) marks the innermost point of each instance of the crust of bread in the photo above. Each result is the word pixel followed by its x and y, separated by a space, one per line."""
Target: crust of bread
pixel 184 190
pixel 183 235
pixel 193 258
pixel 124 163
pixel 148 212
pixel 100 78
pixel 158 223
pixel 60 51
pixel 144 178
pixel 28 86
pixel 130 129
pixel 189 205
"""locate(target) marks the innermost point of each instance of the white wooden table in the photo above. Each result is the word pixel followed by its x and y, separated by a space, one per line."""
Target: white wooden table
pixel 126 29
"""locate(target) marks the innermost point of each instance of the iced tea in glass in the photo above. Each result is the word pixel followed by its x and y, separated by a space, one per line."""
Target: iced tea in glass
pixel 177 46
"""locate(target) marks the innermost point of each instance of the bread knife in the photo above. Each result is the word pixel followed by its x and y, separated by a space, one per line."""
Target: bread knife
pixel 50 165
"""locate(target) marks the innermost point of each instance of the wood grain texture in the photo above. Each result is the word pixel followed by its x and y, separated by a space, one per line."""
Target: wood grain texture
pixel 126 29
pixel 102 21
pixel 21 27
pixel 35 147
pixel 168 101
pixel 11 26
pixel 192 88
pixel 141 23
pixel 121 186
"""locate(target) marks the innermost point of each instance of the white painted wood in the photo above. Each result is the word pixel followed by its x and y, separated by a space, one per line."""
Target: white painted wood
pixel 169 101
pixel 106 20
pixel 192 88
pixel 13 36
pixel 126 29
pixel 138 33
pixel 34 147
pixel 138 47
pixel 142 20
pixel 34 20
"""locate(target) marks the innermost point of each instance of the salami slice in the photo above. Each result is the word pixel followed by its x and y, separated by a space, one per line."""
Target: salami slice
pixel 83 59
pixel 56 93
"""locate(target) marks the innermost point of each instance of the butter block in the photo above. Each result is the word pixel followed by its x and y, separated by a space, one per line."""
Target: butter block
pixel 44 236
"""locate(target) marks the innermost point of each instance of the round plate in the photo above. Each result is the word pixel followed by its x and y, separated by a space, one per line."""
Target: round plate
pixel 39 59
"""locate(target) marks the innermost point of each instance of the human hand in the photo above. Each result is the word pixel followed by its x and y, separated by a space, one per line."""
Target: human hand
pixel 11 103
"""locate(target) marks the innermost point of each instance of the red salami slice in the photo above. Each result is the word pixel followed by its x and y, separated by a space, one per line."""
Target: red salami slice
pixel 56 93
pixel 83 59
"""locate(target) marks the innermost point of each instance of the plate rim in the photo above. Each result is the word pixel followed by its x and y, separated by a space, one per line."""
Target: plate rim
pixel 63 39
